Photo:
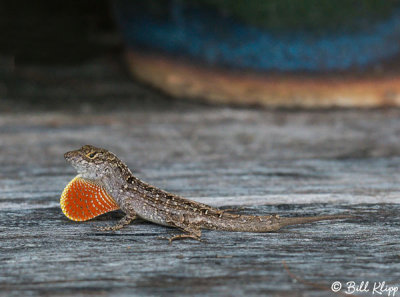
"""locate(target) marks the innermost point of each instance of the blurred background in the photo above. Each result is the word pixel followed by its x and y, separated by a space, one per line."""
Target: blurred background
pixel 276 54
pixel 286 106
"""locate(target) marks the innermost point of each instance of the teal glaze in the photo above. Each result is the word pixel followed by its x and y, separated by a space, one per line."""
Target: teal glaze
pixel 219 40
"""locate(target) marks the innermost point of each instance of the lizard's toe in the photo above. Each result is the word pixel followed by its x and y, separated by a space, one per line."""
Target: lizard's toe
pixel 107 228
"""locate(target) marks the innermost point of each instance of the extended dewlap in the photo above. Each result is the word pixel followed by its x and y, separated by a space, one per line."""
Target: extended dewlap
pixel 83 200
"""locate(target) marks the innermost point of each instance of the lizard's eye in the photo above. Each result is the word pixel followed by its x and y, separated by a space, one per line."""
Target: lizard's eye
pixel 92 155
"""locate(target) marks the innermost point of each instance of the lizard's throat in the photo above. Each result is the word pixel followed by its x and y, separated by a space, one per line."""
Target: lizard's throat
pixel 112 182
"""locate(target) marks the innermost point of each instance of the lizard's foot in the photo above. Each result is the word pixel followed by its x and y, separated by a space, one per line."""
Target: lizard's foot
pixel 110 228
pixel 183 236
pixel 192 231
pixel 126 220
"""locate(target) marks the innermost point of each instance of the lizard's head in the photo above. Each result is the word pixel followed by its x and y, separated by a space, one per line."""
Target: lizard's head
pixel 91 162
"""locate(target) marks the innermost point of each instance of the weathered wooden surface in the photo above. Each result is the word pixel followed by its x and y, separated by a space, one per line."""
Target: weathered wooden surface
pixel 286 162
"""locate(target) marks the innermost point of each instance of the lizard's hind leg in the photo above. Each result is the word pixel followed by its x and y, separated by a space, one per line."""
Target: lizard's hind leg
pixel 183 236
pixel 190 231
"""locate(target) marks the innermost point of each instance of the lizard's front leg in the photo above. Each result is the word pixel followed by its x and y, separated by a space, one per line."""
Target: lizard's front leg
pixel 126 220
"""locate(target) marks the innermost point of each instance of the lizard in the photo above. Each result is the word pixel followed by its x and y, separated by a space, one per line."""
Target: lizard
pixel 104 183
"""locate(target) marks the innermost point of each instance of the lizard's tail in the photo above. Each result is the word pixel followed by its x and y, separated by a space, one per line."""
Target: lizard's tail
pixel 248 223
pixel 283 222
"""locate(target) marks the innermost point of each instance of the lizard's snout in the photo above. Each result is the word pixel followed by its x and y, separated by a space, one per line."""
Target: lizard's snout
pixel 68 156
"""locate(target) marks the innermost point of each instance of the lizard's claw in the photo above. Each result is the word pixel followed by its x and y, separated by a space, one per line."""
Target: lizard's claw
pixel 183 236
pixel 180 236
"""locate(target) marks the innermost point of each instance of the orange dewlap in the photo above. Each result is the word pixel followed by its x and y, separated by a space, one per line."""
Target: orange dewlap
pixel 83 200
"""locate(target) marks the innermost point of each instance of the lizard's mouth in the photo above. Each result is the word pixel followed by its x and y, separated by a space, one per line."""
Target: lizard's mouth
pixel 68 156
pixel 72 156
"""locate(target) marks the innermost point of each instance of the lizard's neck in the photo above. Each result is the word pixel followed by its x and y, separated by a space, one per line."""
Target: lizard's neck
pixel 113 183
pixel 117 180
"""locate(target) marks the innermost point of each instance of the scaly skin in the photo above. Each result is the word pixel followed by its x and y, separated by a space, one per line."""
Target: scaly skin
pixel 138 199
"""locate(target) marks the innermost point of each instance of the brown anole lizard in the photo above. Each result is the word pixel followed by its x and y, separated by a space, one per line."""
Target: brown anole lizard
pixel 104 183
